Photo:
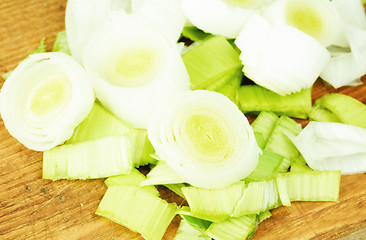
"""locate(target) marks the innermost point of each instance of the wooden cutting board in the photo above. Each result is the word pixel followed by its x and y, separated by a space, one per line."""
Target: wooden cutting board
pixel 33 208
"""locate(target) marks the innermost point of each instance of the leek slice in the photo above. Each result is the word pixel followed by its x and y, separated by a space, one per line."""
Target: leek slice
pixel 280 58
pixel 298 164
pixel 135 178
pixel 309 186
pixel 263 126
pixel 213 204
pixel 344 108
pixel 233 228
pixel 176 188
pixel 225 18
pixel 317 18
pixel 91 159
pixel 194 33
pixel 321 114
pixel 258 197
pixel 187 231
pixel 205 139
pixel 279 143
pixel 137 210
pixel 196 222
pixel 231 88
pixel 61 44
pixel 213 60
pixel 161 174
pixel 254 99
pixel 333 146
pixel 134 68
pixel 44 99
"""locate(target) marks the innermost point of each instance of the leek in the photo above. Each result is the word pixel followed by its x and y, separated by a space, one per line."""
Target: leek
pixel 137 210
pixel 254 99
pixel 204 138
pixel 343 108
pixel 44 99
pixel 333 146
pixel 161 174
pixel 321 114
pixel 263 126
pixel 280 57
pixel 186 231
pixel 194 34
pixel 176 188
pixel 136 70
pixel 61 44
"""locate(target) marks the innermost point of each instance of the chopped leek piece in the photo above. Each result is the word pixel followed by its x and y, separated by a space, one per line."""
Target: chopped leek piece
pixel 321 114
pixel 258 197
pixel 137 210
pixel 263 126
pixel 268 164
pixel 345 108
pixel 233 228
pixel 213 60
pixel 177 189
pixel 254 99
pixel 280 58
pixel 298 164
pixel 187 231
pixel 279 143
pixel 205 139
pixel 135 178
pixel 196 222
pixel 44 99
pixel 91 159
pixel 333 146
pixel 264 215
pixel 161 174
pixel 231 88
pixel 136 70
pixel 213 204
pixel 61 44
pixel 309 186
pixel 194 33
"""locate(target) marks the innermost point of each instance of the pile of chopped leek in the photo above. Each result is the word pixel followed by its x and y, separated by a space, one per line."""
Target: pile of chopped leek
pixel 163 84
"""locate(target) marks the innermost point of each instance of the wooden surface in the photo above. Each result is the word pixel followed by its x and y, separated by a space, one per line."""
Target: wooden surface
pixel 33 208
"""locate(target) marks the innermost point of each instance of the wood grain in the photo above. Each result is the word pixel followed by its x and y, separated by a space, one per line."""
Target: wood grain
pixel 33 208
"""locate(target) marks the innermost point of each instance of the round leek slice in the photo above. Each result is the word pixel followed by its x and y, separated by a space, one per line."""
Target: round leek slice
pixel 44 99
pixel 134 68
pixel 317 18
pixel 221 17
pixel 204 138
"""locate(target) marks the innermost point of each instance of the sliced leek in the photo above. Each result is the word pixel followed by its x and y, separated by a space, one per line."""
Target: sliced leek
pixel 280 58
pixel 333 146
pixel 204 138
pixel 44 99
pixel 134 68
pixel 161 174
pixel 61 44
pixel 187 231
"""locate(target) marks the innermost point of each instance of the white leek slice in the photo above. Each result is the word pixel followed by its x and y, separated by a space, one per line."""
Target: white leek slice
pixel 221 17
pixel 347 67
pixel 84 17
pixel 44 99
pixel 204 138
pixel 317 18
pixel 280 58
pixel 134 68
pixel 333 146
pixel 168 15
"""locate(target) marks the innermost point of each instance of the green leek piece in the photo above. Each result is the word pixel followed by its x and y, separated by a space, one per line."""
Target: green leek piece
pixel 258 197
pixel 346 108
pixel 176 188
pixel 268 164
pixel 231 88
pixel 320 114
pixel 279 143
pixel 299 164
pixel 264 215
pixel 187 231
pixel 309 186
pixel 232 228
pixel 263 126
pixel 135 178
pixel 61 44
pixel 161 174
pixel 254 99
pixel 194 33
pixel 197 222
pixel 91 159
pixel 100 123
pixel 211 63
pixel 137 210
pixel 213 204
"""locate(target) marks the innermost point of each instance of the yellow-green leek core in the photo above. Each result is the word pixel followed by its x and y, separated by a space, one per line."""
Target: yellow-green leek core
pixel 242 3
pixel 305 18
pixel 207 136
pixel 50 95
pixel 134 67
